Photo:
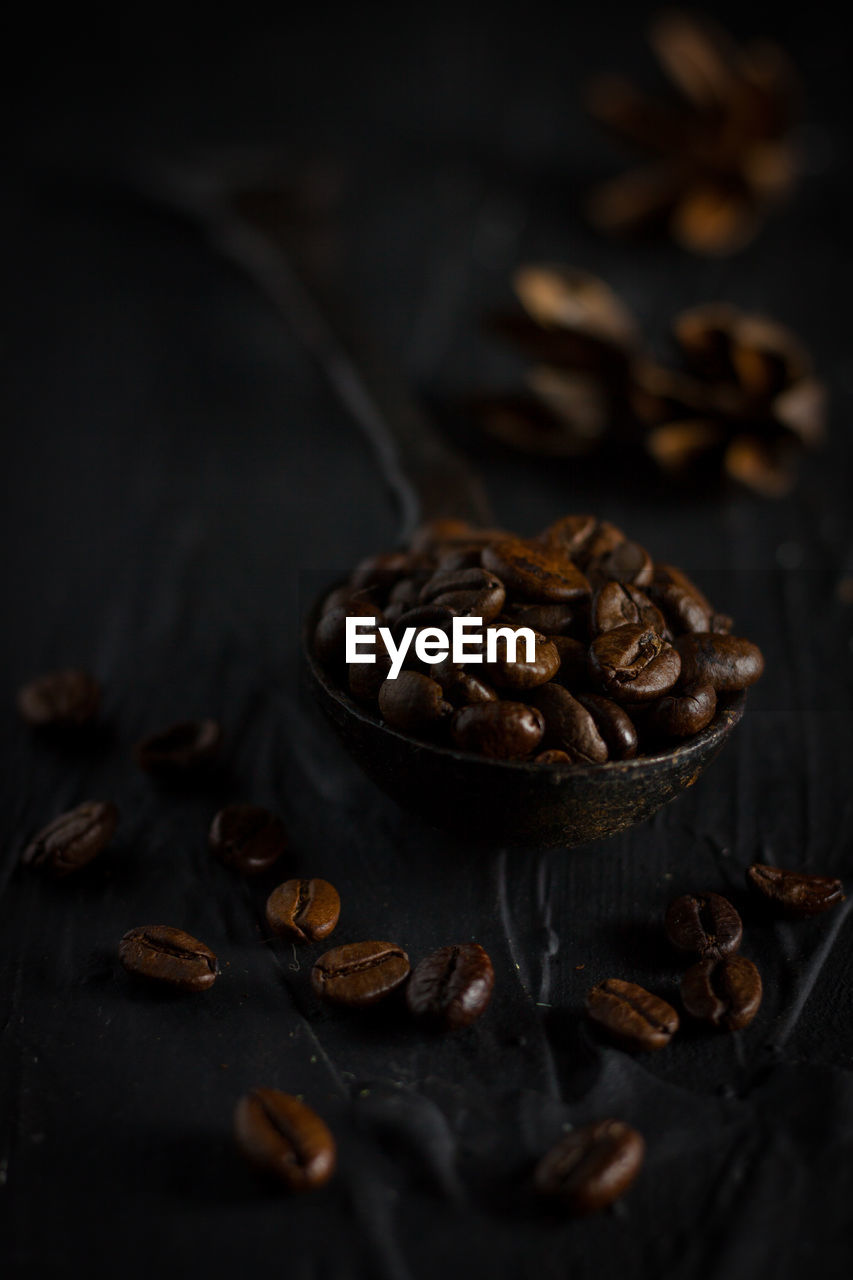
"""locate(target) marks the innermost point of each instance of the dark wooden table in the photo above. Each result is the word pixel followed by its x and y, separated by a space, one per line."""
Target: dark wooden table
pixel 179 477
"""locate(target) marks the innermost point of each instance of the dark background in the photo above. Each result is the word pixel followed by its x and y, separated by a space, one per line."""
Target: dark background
pixel 178 474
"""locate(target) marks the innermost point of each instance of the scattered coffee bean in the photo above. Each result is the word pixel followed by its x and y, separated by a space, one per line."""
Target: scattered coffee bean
pixel 307 910
pixel 704 923
pixel 248 838
pixel 726 662
pixel 794 893
pixel 632 1015
pixel 73 839
pixel 499 730
pixel 60 700
pixel 723 990
pixel 592 1167
pixel 451 987
pixel 170 956
pixel 181 749
pixel 360 973
pixel 280 1135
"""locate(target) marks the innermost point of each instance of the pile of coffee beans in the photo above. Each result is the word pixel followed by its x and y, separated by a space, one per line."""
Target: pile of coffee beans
pixel 629 654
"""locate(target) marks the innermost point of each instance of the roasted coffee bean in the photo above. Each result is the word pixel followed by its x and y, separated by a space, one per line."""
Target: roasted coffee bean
pixel 682 603
pixel 628 562
pixel 280 1135
pixel 550 619
pixel 726 662
pixel 569 726
pixel 367 678
pixel 330 632
pixel 592 1167
pixel 518 673
pixel 603 541
pixel 723 990
pixel 704 923
pixel 183 748
pixel 721 623
pixel 469 592
pixel 613 723
pixel 423 615
pixel 499 730
pixel 413 703
pixel 73 839
pixel 60 700
pixel 616 604
pixel 685 710
pixel 795 893
pixel 383 571
pixel 360 973
pixel 529 571
pixel 304 909
pixel 634 664
pixel 569 535
pixel 246 837
pixel 168 956
pixel 452 987
pixel 407 592
pixel 461 688
pixel 632 1015
pixel 552 757
pixel 575 671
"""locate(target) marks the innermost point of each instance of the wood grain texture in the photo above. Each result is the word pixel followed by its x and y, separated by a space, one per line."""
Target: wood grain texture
pixel 180 482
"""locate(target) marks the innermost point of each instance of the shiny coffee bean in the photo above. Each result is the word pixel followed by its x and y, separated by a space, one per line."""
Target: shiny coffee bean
pixel 461 688
pixel 330 632
pixel 604 540
pixel 680 600
pixel 569 535
pixel 794 893
pixel 518 673
pixel 617 604
pixel 569 726
pixel 499 730
pixel 181 749
pixel 452 987
pixel 634 664
pixel 704 923
pixel 360 973
pixel 613 723
pixel 685 710
pixel 550 619
pixel 306 910
pixel 246 837
pixel 553 757
pixel 280 1135
pixel 628 562
pixel 60 700
pixel 630 1014
pixel 726 662
pixel 592 1167
pixel 73 839
pixel 723 990
pixel 169 956
pixel 529 571
pixel 413 703
pixel 470 593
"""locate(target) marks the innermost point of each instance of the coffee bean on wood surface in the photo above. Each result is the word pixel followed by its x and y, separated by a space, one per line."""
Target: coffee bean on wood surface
pixel 73 839
pixel 729 663
pixel 306 910
pixel 360 973
pixel 181 749
pixel 282 1136
pixel 592 1167
pixel 723 990
pixel 795 893
pixel 246 837
pixel 60 700
pixel 451 987
pixel 170 956
pixel 499 730
pixel 632 1015
pixel 705 923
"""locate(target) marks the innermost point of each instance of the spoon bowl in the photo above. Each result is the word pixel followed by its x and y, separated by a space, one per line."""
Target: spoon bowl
pixel 513 802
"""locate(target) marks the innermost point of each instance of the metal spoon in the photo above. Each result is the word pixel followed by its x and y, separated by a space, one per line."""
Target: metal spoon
pixel 513 802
